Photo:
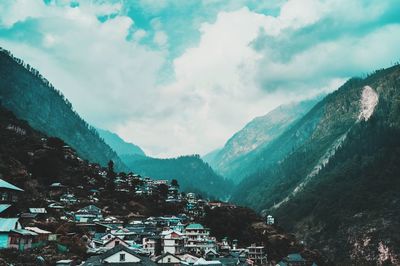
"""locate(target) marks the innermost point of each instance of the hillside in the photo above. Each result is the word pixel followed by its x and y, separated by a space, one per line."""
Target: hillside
pixel 31 97
pixel 120 146
pixel 240 155
pixel 190 171
pixel 337 188
pixel 32 161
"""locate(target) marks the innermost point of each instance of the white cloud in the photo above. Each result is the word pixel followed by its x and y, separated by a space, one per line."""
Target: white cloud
pixel 160 38
pixel 244 64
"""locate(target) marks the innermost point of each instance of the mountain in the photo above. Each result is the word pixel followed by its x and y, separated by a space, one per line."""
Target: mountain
pixel 192 173
pixel 338 186
pixel 31 160
pixel 31 97
pixel 120 146
pixel 210 157
pixel 239 156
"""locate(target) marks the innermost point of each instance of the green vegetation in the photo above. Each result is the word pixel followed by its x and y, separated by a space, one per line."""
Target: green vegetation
pixel 31 97
pixel 192 173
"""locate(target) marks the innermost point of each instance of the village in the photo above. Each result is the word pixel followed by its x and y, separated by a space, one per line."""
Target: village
pixel 70 225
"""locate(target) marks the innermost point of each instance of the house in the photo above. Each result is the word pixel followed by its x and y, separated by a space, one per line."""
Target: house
pixel 108 241
pixel 168 259
pixel 38 210
pixel 8 211
pixel 43 235
pixel 64 263
pixel 56 189
pixel 294 259
pixel 198 238
pixel 173 242
pixel 68 199
pixel 8 192
pixel 211 254
pixel 22 239
pixel 188 259
pixel 152 245
pixel 115 241
pixel 257 254
pixel 119 255
pixel 270 220
pixel 202 261
pixel 6 225
pixel 88 214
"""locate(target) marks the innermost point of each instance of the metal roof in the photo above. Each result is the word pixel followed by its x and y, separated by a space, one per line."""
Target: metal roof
pixel 24 232
pixel 4 207
pixel 194 226
pixel 5 184
pixel 7 224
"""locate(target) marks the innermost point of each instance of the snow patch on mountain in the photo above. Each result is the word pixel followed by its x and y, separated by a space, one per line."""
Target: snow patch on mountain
pixel 368 102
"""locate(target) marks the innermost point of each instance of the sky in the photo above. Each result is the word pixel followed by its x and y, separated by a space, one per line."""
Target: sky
pixel 181 77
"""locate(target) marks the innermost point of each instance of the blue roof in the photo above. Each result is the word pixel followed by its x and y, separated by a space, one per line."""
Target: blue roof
pixel 4 207
pixel 194 226
pixel 24 232
pixel 7 224
pixel 5 184
pixel 295 257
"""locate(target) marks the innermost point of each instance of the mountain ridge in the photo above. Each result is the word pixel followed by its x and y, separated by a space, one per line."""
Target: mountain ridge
pixel 21 87
pixel 237 158
pixel 343 167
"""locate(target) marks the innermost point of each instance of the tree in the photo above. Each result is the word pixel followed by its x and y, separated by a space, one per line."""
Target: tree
pixel 174 183
pixel 111 177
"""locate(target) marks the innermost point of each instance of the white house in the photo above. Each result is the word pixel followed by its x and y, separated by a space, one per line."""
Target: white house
pixel 119 255
pixel 173 242
pixel 168 258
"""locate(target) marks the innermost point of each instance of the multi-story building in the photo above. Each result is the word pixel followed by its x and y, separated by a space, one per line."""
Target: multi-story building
pixel 257 254
pixel 198 239
pixel 173 242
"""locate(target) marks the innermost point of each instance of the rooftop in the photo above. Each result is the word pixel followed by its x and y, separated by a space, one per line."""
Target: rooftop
pixel 6 185
pixel 4 207
pixel 8 224
pixel 194 226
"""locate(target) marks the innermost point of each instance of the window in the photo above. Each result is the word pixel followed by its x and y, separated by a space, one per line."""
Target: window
pixel 121 257
pixel 116 243
pixel 169 259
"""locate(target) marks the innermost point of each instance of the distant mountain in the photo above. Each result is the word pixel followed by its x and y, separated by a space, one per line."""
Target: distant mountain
pixel 338 186
pixel 210 157
pixel 31 97
pixel 192 173
pixel 238 158
pixel 120 146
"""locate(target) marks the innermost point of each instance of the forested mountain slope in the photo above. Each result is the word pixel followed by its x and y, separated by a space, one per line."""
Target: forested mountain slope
pixel 31 97
pixel 191 172
pixel 240 155
pixel 337 189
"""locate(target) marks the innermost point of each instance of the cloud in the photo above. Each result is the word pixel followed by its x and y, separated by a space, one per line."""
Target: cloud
pixel 179 84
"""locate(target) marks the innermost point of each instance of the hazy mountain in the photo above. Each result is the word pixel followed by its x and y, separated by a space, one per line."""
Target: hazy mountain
pixel 237 158
pixel 31 97
pixel 120 146
pixel 210 157
pixel 338 187
pixel 192 173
